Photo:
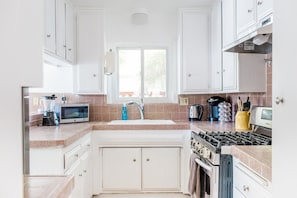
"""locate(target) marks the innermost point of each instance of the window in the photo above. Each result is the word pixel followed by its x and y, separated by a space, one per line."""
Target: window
pixel 142 73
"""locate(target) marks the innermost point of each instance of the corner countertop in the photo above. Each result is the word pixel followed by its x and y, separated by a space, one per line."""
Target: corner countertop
pixel 48 186
pixel 65 134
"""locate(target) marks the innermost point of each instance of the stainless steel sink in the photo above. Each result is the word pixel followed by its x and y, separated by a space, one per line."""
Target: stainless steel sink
pixel 139 122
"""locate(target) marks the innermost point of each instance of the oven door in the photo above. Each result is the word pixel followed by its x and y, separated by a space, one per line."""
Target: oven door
pixel 209 179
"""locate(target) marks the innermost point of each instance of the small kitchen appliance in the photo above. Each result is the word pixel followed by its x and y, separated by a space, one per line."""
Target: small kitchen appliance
pixel 217 168
pixel 71 113
pixel 50 117
pixel 213 109
pixel 195 112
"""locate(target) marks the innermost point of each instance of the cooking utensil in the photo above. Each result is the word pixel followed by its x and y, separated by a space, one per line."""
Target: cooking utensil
pixel 239 104
pixel 247 105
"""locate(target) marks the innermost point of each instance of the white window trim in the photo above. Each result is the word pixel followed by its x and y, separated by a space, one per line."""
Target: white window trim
pixel 171 80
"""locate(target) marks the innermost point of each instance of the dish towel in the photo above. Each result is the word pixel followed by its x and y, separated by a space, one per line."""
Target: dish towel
pixel 194 179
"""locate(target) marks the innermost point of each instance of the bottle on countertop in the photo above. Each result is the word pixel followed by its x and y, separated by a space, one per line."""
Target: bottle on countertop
pixel 124 112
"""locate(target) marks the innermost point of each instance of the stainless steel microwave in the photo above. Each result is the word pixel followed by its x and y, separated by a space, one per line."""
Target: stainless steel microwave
pixel 70 113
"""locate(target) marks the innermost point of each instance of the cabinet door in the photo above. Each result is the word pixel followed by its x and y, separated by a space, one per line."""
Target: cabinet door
pixel 161 169
pixel 195 51
pixel 60 28
pixel 264 8
pixel 76 170
pixel 246 17
pixel 228 21
pixel 90 53
pixel 69 33
pixel 121 169
pixel 229 71
pixel 50 25
pixel 86 175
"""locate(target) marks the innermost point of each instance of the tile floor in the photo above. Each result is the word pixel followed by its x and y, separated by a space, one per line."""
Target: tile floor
pixel 144 195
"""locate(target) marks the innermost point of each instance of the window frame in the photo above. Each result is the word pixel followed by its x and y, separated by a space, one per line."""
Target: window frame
pixel 113 81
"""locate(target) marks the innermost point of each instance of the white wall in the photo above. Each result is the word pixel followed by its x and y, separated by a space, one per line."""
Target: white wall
pixel 56 79
pixel 21 65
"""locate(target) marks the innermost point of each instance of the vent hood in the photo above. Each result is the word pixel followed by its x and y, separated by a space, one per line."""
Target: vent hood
pixel 259 41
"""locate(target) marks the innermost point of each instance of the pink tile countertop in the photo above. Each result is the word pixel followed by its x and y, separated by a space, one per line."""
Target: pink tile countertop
pixel 48 186
pixel 65 134
pixel 258 158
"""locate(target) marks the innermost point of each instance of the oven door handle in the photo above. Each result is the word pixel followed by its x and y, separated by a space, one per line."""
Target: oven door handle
pixel 203 165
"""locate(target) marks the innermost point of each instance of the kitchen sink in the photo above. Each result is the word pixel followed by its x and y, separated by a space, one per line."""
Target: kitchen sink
pixel 139 122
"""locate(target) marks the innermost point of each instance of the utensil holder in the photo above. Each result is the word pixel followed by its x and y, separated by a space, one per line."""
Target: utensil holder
pixel 242 120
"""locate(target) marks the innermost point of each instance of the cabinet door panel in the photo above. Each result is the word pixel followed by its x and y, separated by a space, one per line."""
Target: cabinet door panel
pixel 195 51
pixel 69 33
pixel 229 21
pixel 60 28
pixel 246 17
pixel 50 25
pixel 264 8
pixel 121 169
pixel 229 71
pixel 161 169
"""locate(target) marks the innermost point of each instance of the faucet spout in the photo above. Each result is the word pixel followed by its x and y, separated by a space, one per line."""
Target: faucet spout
pixel 140 108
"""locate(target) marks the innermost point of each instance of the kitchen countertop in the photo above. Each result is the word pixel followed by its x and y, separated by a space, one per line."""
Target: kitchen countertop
pixel 48 186
pixel 256 157
pixel 65 134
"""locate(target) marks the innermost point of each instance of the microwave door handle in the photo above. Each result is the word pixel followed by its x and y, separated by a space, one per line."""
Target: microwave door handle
pixel 203 165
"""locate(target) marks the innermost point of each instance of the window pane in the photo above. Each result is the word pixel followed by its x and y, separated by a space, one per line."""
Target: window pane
pixel 155 73
pixel 129 73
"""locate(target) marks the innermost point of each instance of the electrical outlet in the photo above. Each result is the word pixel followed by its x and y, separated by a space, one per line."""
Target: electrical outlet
pixel 183 101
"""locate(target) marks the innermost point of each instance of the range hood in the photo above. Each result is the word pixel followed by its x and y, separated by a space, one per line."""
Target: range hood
pixel 259 41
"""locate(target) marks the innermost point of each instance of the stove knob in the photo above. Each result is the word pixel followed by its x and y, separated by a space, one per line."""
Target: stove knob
pixel 201 151
pixel 207 153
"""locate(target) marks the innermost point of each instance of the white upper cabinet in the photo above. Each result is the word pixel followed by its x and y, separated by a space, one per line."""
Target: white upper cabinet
pixel 246 17
pixel 228 21
pixel 59 32
pixel 194 47
pixel 49 25
pixel 89 71
pixel 264 8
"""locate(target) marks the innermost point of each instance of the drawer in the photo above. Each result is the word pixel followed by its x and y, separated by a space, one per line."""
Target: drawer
pixel 85 146
pixel 71 156
pixel 248 183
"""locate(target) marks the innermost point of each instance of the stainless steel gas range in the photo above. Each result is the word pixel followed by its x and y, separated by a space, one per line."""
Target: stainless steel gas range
pixel 215 168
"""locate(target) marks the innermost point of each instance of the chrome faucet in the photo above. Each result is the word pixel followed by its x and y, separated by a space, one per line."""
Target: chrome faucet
pixel 140 107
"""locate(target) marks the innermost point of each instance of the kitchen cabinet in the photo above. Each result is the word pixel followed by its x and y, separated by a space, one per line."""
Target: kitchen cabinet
pixel 246 17
pixel 151 160
pixel 244 72
pixel 194 51
pixel 148 169
pixel 228 22
pixel 59 32
pixel 248 184
pixel 119 164
pixel 216 46
pixel 160 169
pixel 74 159
pixel 89 71
pixel 49 26
pixel 264 8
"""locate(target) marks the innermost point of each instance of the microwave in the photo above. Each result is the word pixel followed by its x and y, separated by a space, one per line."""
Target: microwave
pixel 70 113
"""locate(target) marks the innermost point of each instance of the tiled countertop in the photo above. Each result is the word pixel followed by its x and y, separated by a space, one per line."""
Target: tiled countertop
pixel 257 157
pixel 65 134
pixel 48 186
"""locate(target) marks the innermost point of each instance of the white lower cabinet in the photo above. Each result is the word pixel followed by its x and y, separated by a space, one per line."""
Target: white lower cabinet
pixel 74 159
pixel 141 169
pixel 121 169
pixel 248 184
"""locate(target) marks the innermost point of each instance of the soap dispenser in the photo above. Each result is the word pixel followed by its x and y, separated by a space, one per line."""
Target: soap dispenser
pixel 124 112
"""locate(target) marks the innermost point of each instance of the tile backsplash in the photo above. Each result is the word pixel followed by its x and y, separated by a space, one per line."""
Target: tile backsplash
pixel 101 111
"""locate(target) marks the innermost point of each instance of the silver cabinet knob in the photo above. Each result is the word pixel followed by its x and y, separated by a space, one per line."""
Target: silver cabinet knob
pixel 147 159
pixel 48 35
pixel 189 75
pixel 249 10
pixel 134 160
pixel 85 171
pixel 279 100
pixel 260 2
pixel 94 75
pixel 69 49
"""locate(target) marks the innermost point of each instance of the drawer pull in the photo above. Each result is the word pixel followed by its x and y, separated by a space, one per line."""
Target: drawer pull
pixel 246 188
